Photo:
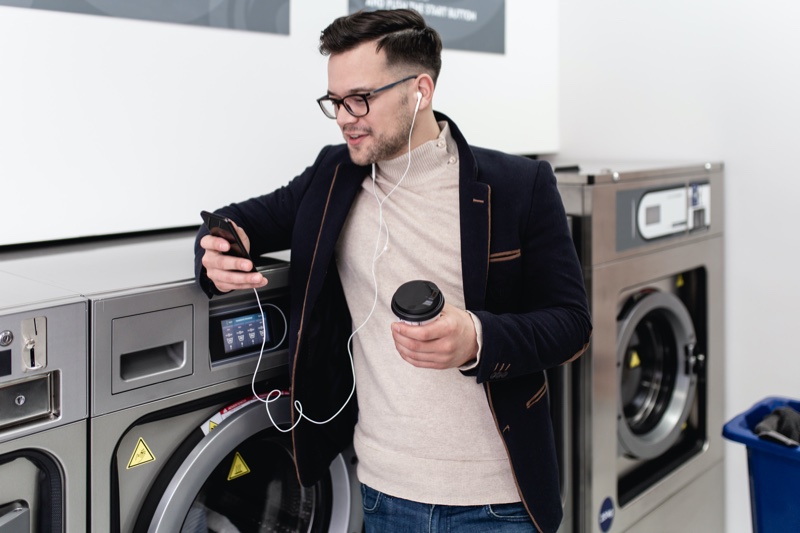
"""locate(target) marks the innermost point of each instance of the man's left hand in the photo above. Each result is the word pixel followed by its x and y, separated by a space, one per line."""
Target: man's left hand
pixel 449 341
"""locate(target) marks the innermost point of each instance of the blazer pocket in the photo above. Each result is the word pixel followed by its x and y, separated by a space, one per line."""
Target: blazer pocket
pixel 509 255
pixel 538 395
pixel 504 281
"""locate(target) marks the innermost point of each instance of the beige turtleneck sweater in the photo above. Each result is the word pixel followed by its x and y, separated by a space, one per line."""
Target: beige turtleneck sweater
pixel 423 435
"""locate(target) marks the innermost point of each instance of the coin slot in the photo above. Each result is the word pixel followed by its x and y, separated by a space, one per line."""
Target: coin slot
pixel 26 400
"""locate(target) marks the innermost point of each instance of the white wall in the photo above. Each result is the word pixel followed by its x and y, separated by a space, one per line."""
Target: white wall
pixel 111 125
pixel 706 81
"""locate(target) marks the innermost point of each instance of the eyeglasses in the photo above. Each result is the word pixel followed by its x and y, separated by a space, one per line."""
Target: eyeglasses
pixel 355 104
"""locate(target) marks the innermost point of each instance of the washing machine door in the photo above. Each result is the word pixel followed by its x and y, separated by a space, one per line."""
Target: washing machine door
pixel 241 477
pixel 657 373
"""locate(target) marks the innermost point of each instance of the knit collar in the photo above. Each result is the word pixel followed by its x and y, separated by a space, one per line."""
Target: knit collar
pixel 427 160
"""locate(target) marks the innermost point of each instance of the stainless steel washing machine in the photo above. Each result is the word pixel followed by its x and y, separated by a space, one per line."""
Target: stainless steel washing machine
pixel 649 393
pixel 43 407
pixel 562 412
pixel 161 378
pixel 172 447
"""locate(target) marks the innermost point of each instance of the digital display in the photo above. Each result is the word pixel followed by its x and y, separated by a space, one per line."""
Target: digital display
pixel 242 332
pixel 652 215
pixel 237 331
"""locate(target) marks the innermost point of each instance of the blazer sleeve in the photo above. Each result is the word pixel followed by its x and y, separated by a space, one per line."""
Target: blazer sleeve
pixel 268 220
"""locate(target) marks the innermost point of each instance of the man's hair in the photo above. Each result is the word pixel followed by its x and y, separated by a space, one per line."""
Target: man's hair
pixel 401 33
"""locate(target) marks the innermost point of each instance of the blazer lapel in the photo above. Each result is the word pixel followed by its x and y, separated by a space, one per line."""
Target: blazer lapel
pixel 476 221
pixel 475 206
pixel 341 193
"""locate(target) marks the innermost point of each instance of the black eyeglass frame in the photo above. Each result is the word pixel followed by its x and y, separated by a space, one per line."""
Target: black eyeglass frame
pixel 342 102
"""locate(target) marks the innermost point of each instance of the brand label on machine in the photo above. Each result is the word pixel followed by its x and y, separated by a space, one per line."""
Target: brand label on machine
pixel 224 413
pixel 606 516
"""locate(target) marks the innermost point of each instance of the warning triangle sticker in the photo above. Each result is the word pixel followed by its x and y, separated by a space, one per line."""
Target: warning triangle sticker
pixel 239 468
pixel 211 425
pixel 635 362
pixel 141 455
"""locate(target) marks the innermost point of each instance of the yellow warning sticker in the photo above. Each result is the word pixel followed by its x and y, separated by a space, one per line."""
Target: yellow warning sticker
pixel 679 282
pixel 635 362
pixel 141 454
pixel 239 468
pixel 211 425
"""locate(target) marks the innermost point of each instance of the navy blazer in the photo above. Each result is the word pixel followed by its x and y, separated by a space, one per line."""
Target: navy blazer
pixel 521 276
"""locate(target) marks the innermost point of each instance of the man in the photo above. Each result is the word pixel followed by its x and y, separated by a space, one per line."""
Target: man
pixel 451 420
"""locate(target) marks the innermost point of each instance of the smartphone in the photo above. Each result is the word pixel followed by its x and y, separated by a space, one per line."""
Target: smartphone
pixel 221 226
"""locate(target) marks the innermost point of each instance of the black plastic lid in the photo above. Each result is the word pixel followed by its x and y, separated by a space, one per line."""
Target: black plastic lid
pixel 417 301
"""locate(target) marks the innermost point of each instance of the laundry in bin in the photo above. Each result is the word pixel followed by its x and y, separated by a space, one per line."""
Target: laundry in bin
pixel 782 425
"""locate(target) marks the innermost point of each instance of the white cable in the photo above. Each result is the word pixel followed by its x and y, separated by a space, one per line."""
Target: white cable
pixel 275 394
pixel 269 399
pixel 375 255
pixel 381 221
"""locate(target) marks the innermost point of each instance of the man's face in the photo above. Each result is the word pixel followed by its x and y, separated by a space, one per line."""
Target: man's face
pixel 383 133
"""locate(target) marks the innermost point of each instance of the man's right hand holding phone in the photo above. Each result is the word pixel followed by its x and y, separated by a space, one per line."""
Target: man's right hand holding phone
pixel 229 272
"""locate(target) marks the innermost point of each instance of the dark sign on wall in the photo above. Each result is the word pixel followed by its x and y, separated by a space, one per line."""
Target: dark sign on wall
pixel 476 25
pixel 270 16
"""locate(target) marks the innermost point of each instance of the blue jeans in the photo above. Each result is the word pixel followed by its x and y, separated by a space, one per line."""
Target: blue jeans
pixel 387 514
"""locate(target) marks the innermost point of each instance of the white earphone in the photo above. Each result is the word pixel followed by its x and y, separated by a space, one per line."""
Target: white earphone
pixel 275 394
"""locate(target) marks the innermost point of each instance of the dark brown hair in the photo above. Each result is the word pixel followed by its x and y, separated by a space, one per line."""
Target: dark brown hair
pixel 401 33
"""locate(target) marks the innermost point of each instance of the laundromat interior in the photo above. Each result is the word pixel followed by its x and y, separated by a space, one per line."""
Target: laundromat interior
pixel 122 121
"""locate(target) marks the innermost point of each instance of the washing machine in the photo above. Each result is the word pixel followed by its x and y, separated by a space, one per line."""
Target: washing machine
pixel 43 407
pixel 562 413
pixel 648 395
pixel 177 442
pixel 178 439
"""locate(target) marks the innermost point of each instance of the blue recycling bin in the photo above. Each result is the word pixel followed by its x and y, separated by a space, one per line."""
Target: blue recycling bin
pixel 774 470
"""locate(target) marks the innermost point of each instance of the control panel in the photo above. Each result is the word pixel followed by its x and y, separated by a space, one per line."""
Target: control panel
pixel 676 210
pixel 43 367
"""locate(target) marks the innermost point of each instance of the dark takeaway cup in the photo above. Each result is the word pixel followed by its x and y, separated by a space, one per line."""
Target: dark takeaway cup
pixel 417 302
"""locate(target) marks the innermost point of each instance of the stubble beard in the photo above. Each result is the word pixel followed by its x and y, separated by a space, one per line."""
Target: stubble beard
pixel 383 147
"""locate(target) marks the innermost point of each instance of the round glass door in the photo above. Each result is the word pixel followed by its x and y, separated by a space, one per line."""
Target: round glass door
pixel 657 381
pixel 240 478
pixel 254 489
